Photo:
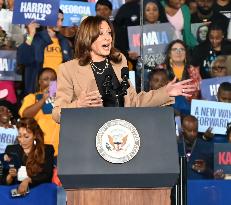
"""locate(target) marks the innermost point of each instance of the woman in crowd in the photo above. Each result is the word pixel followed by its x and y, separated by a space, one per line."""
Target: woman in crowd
pixel 179 16
pixel 39 106
pixel 8 131
pixel 177 60
pixel 81 82
pixel 153 12
pixel 30 161
pixel 207 51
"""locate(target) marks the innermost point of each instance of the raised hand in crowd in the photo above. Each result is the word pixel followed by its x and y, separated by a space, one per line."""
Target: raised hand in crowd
pixel 31 31
pixel 208 135
pixel 199 165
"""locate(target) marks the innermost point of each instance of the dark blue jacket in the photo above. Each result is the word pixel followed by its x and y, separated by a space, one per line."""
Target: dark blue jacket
pixel 32 57
pixel 202 150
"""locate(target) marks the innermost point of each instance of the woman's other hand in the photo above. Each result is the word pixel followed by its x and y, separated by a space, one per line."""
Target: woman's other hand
pixel 90 99
pixel 184 88
pixel 23 187
pixel 12 172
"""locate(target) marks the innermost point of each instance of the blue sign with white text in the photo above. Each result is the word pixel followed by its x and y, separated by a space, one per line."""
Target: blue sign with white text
pixel 8 65
pixel 74 11
pixel 209 87
pixel 43 12
pixel 211 114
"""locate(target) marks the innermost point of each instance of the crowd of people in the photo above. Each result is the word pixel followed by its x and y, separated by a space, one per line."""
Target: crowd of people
pixel 80 59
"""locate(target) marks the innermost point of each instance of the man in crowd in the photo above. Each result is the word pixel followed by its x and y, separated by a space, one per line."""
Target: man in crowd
pixel 205 13
pixel 46 48
pixel 198 152
pixel 103 8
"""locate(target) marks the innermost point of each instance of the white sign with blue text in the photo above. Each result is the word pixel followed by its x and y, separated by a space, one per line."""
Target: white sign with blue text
pixel 43 12
pixel 211 114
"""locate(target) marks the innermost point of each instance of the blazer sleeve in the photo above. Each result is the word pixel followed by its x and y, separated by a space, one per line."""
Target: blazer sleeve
pixel 64 94
pixel 46 175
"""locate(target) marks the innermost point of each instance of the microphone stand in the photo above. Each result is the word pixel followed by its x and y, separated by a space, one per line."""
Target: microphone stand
pixel 141 43
pixel 121 92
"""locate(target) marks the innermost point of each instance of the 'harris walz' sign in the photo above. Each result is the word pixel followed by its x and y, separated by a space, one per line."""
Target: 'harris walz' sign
pixel 155 39
pixel 211 114
pixel 209 87
pixel 222 157
pixel 74 11
pixel 8 65
pixel 44 12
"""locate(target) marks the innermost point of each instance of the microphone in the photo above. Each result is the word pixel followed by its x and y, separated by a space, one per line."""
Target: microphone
pixel 124 84
pixel 107 85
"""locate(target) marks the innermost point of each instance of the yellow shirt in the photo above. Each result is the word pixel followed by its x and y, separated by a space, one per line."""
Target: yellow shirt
pixel 178 71
pixel 45 121
pixel 53 55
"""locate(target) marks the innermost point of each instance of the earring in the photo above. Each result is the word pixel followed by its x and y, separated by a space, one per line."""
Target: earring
pixel 34 142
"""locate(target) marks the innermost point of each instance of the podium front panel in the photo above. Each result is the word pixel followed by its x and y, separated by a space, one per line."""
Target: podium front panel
pixel 155 165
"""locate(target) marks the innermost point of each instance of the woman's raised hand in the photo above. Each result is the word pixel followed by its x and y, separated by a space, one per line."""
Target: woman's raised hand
pixel 90 99
pixel 184 88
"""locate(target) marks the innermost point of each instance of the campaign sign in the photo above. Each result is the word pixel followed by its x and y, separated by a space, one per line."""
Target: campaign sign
pixel 211 114
pixel 199 31
pixel 8 65
pixel 222 157
pixel 74 11
pixel 209 87
pixel 155 39
pixel 43 12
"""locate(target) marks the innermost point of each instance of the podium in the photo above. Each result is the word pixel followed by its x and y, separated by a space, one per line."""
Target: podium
pixel 146 179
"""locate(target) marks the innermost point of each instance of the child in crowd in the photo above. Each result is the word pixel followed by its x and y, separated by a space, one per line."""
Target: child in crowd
pixel 223 95
pixel 159 78
pixel 39 106
pixel 224 92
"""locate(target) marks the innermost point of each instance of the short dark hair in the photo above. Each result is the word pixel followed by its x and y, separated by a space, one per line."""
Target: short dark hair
pixel 60 11
pixel 225 86
pixel 105 3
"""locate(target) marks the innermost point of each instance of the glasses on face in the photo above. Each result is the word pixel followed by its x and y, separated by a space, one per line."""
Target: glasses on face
pixel 178 50
pixel 218 68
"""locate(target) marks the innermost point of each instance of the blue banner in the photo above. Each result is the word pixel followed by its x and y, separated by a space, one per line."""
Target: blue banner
pixel 209 87
pixel 44 12
pixel 8 65
pixel 42 194
pixel 74 11
pixel 222 157
pixel 211 114
pixel 208 192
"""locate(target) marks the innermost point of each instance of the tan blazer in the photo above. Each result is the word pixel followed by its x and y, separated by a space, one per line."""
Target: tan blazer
pixel 73 79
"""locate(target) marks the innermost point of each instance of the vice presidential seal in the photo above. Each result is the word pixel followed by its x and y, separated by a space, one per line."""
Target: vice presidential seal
pixel 117 141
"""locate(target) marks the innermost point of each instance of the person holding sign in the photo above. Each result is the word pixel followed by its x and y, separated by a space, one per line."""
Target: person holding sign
pixel 47 48
pixel 99 75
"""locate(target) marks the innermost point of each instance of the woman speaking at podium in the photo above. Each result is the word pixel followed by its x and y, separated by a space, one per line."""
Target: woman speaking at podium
pixel 98 76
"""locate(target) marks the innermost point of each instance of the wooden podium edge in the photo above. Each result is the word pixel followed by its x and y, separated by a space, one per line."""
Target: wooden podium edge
pixel 124 196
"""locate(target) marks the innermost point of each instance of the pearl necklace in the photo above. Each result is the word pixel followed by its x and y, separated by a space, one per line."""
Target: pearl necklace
pixel 99 71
